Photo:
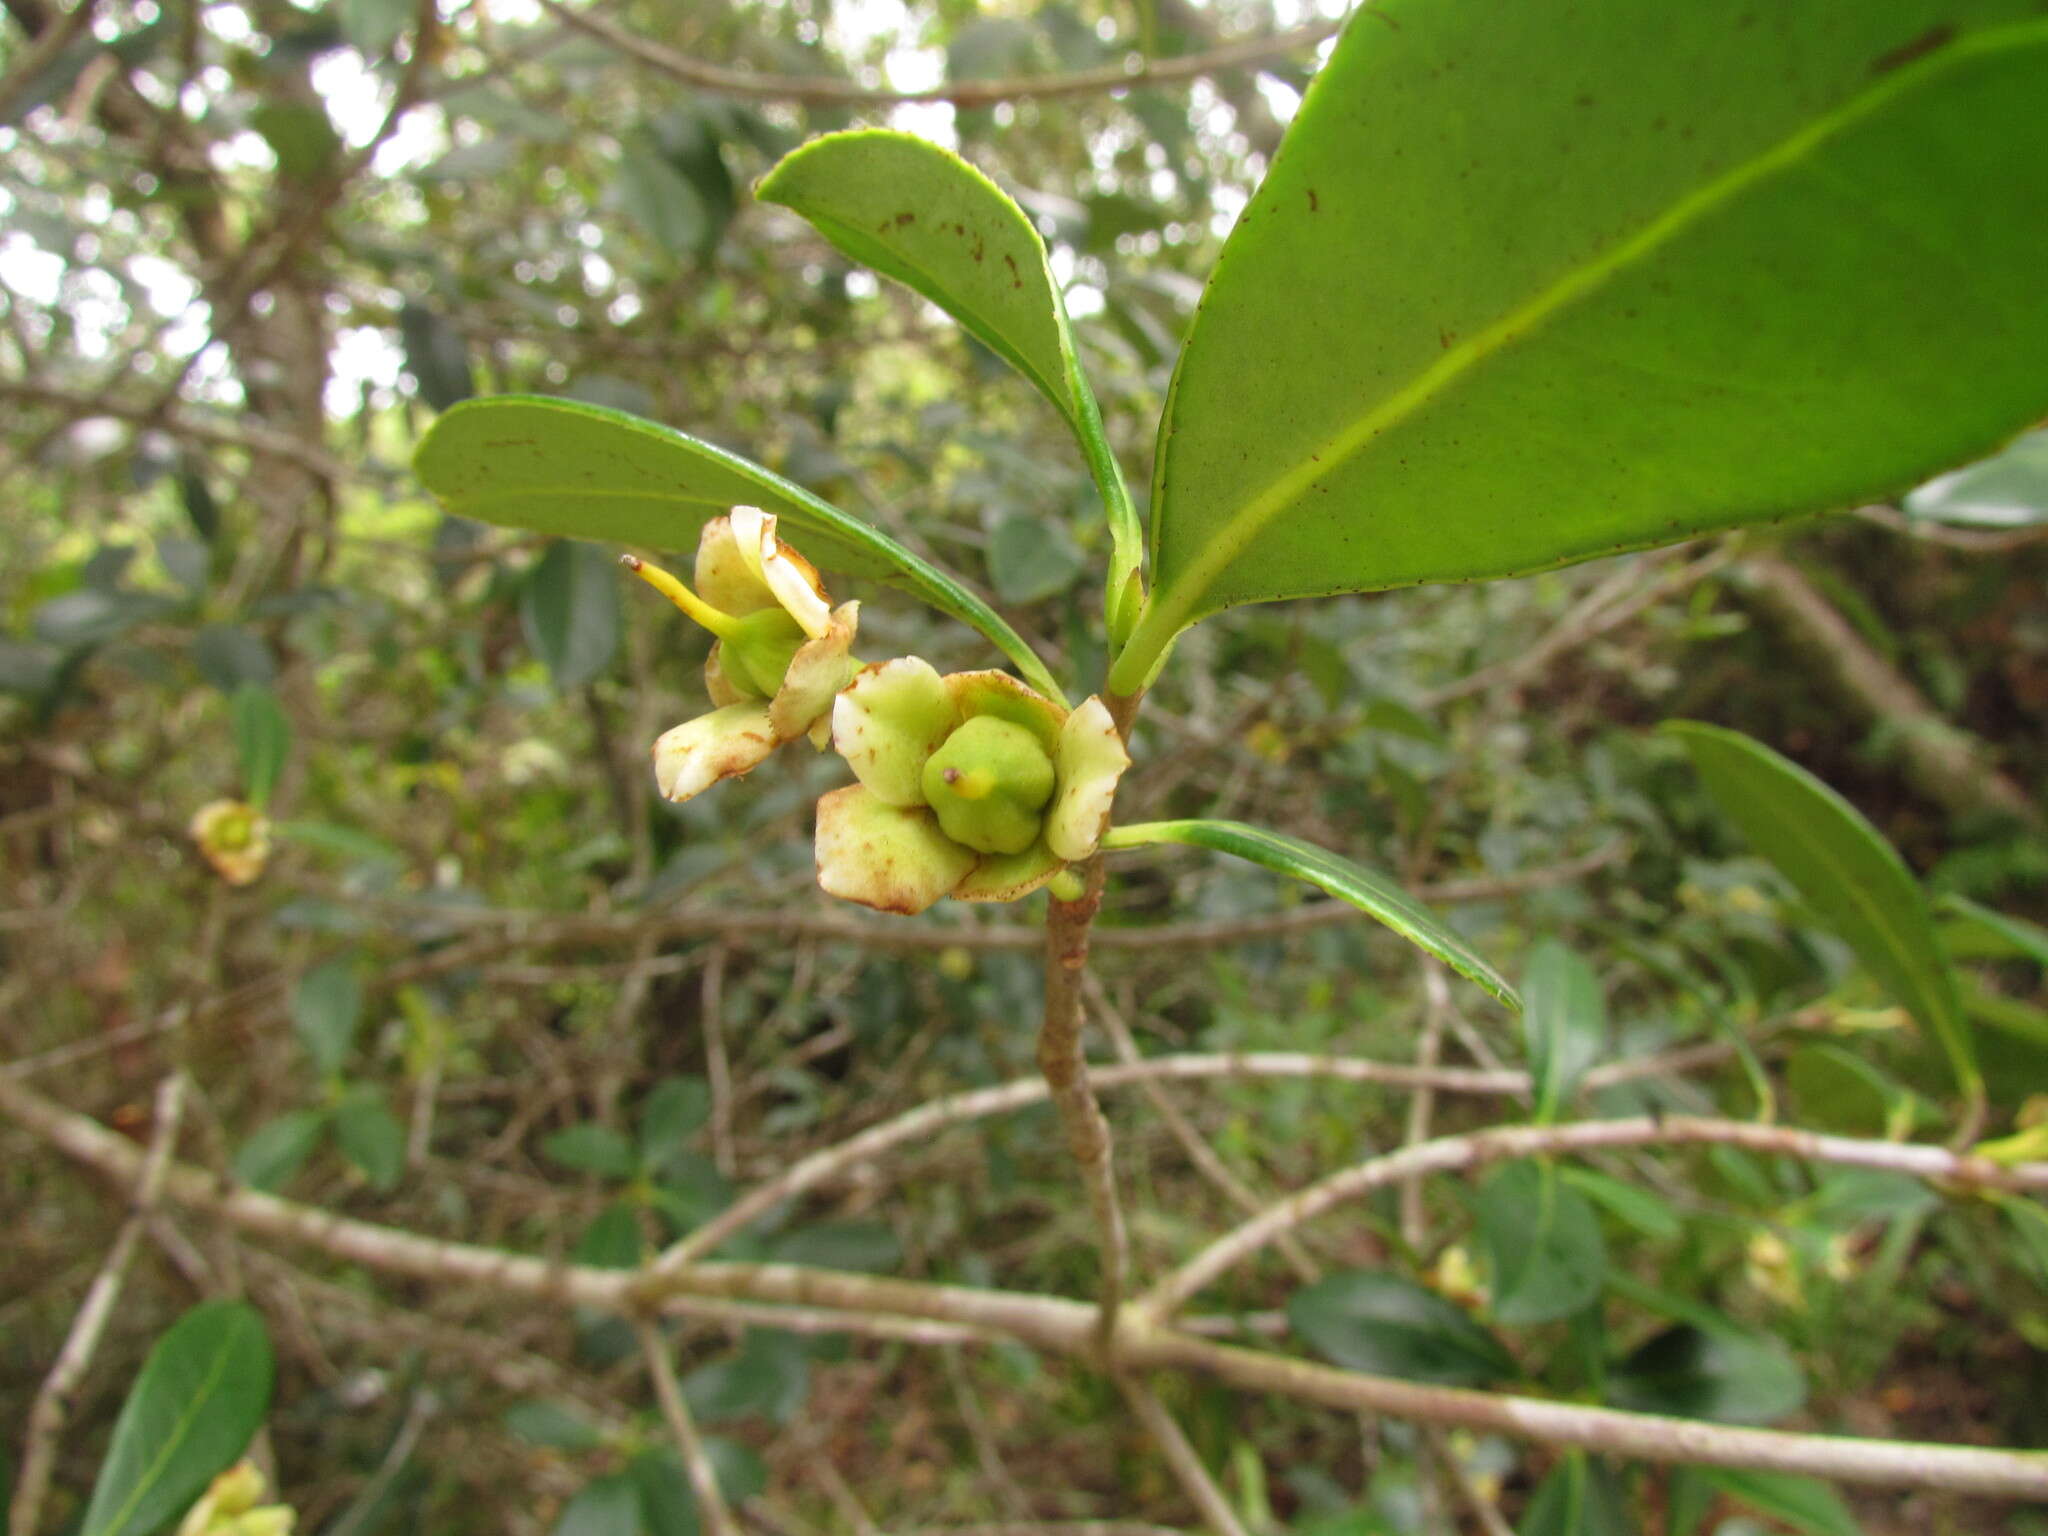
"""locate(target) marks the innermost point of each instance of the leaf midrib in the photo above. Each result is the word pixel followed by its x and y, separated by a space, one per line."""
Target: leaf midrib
pixel 1221 548
pixel 181 1429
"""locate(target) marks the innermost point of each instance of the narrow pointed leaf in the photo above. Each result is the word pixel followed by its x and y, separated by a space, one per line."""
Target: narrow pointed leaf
pixel 198 1402
pixel 1564 1023
pixel 586 472
pixel 922 215
pixel 1533 283
pixel 1372 893
pixel 1847 872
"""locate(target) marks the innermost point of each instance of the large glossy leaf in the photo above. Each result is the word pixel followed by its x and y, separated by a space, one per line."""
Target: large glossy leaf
pixel 199 1400
pixel 1367 1321
pixel 1533 283
pixel 1702 1370
pixel 583 471
pixel 1372 893
pixel 922 215
pixel 1564 1023
pixel 1845 869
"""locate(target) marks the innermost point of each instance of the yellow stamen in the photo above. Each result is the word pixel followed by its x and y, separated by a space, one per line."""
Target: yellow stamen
pixel 720 623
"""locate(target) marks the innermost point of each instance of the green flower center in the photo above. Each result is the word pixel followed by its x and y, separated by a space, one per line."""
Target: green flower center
pixel 233 832
pixel 988 785
pixel 756 652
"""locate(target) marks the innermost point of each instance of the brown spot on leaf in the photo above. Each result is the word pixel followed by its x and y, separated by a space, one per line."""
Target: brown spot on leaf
pixel 905 218
pixel 1313 206
pixel 1926 43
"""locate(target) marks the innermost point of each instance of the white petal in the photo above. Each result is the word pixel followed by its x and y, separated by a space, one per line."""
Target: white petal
pixel 723 576
pixel 783 571
pixel 1090 759
pixel 891 858
pixel 818 671
pixel 893 717
pixel 698 753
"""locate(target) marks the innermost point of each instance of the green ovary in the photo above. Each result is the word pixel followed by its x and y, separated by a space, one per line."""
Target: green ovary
pixel 756 655
pixel 989 784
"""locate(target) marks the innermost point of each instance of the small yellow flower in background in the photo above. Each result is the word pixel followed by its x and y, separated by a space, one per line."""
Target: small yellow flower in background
pixel 234 837
pixel 971 785
pixel 229 1508
pixel 783 651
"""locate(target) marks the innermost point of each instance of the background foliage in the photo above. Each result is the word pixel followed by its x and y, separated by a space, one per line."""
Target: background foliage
pixel 490 987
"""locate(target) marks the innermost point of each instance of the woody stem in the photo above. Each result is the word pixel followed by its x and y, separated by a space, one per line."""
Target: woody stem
pixel 1061 1060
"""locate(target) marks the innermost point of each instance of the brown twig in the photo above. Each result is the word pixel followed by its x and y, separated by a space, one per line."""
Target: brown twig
pixel 1187 1467
pixel 711 1506
pixel 817 91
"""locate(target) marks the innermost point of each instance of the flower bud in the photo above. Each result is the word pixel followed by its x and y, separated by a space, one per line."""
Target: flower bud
pixel 988 784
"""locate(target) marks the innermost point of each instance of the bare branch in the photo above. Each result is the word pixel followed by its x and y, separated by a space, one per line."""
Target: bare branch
pixel 711 1505
pixel 53 1402
pixel 1194 1478
pixel 1070 1327
pixel 822 91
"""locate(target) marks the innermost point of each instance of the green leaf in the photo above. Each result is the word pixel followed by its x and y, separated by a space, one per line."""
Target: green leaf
pixel 372 26
pixel 269 1159
pixel 327 1006
pixel 1805 1504
pixel 1564 1024
pixel 770 1374
pixel 592 1148
pixel 659 198
pixel 1532 284
pixel 612 1241
pixel 1032 558
pixel 1646 1211
pixel 1837 1090
pixel 1847 872
pixel 605 1506
pixel 227 656
pixel 1715 1372
pixel 674 1111
pixel 263 738
pixel 436 353
pixel 865 1247
pixel 370 1136
pixel 569 610
pixel 563 467
pixel 668 1505
pixel 2030 1226
pixel 1367 1321
pixel 199 1400
pixel 1578 1498
pixel 552 1425
pixel 2029 939
pixel 1543 1244
pixel 924 216
pixel 1373 894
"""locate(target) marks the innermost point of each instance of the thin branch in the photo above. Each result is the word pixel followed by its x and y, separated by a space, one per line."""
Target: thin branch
pixel 1458 1153
pixel 54 1400
pixel 815 90
pixel 1436 1011
pixel 1194 1478
pixel 1978 541
pixel 711 1506
pixel 1070 1327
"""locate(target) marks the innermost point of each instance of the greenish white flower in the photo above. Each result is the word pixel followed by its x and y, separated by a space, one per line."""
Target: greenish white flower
pixel 971 785
pixel 783 651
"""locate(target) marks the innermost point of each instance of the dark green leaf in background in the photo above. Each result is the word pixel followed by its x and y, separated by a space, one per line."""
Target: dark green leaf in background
pixel 1580 1497
pixel 277 1151
pixel 770 1374
pixel 1543 1246
pixel 1800 1504
pixel 436 355
pixel 569 611
pixel 1709 1373
pixel 1370 892
pixel 1032 558
pixel 605 1506
pixel 1648 271
pixel 370 1136
pixel 591 1148
pixel 660 199
pixel 552 1425
pixel 668 1505
pixel 563 467
pixel 675 1110
pixel 199 1400
pixel 1564 1024
pixel 327 1008
pixel 372 26
pixel 1847 872
pixel 1368 1321
pixel 865 1247
pixel 263 738
pixel 229 655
